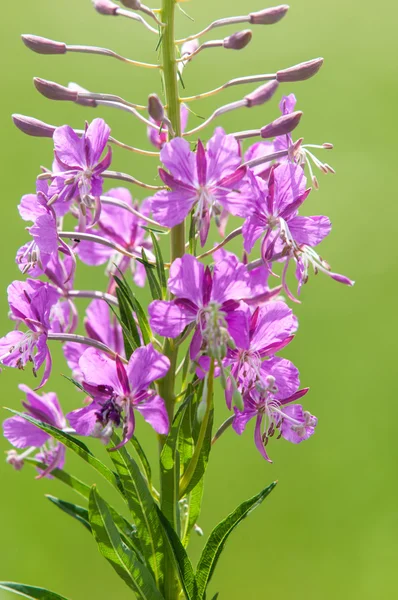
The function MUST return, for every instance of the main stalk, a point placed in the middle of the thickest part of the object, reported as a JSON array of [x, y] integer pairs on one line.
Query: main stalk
[[169, 498]]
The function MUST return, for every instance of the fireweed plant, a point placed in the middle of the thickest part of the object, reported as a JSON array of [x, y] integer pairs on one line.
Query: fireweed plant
[[213, 315]]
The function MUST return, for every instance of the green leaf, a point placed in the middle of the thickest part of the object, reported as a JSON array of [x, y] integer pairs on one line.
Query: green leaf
[[192, 236], [154, 285], [159, 265], [142, 507], [76, 383], [143, 459], [203, 458], [77, 512], [81, 488], [125, 562], [76, 445], [29, 591], [181, 561], [216, 542], [131, 336], [156, 230], [216, 596], [186, 444], [170, 471], [137, 308], [194, 506]]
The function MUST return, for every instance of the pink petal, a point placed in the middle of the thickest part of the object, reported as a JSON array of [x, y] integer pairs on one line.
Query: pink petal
[[169, 319], [145, 366], [154, 412], [310, 230], [186, 279], [22, 434]]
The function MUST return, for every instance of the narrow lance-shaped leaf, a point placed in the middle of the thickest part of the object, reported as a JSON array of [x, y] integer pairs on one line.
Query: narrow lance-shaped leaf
[[186, 443], [159, 264], [216, 542], [76, 445], [180, 558], [170, 470], [201, 452], [154, 285], [143, 509], [77, 512], [131, 337], [29, 591], [137, 308], [143, 458], [194, 499], [125, 562]]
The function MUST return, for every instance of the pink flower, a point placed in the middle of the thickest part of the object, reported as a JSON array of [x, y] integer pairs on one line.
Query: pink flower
[[119, 390], [208, 300], [22, 434], [209, 181]]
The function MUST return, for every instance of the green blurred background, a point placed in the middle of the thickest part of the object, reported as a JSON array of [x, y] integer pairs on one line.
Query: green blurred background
[[330, 529]]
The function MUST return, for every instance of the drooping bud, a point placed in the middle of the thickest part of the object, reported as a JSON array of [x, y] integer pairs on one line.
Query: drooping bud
[[33, 127], [105, 7], [54, 91], [198, 530], [282, 125], [189, 47], [75, 87], [43, 45], [155, 108], [300, 72], [134, 4], [261, 94], [269, 16], [238, 40]]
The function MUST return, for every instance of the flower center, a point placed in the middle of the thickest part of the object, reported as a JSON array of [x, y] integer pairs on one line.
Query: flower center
[[213, 327]]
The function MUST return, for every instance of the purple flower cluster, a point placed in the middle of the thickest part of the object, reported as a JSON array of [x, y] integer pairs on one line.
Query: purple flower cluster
[[234, 320]]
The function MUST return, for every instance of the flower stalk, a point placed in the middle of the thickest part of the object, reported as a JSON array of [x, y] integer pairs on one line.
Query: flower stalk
[[177, 246]]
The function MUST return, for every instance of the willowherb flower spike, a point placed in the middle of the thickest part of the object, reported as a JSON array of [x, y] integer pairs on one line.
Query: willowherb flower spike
[[224, 309]]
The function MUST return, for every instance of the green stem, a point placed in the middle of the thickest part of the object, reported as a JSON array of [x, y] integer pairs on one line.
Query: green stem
[[177, 236], [186, 478], [171, 589]]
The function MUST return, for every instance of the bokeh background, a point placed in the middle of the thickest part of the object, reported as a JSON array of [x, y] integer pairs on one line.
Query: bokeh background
[[330, 529]]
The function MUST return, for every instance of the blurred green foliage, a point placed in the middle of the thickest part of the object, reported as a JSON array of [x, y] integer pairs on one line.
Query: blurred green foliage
[[330, 529]]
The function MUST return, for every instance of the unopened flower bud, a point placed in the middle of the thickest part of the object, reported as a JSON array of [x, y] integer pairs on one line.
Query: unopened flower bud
[[269, 16], [301, 71], [238, 40], [282, 125], [198, 530], [75, 87], [134, 4], [155, 108], [54, 91], [261, 94], [42, 45], [105, 7], [33, 127], [189, 47]]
